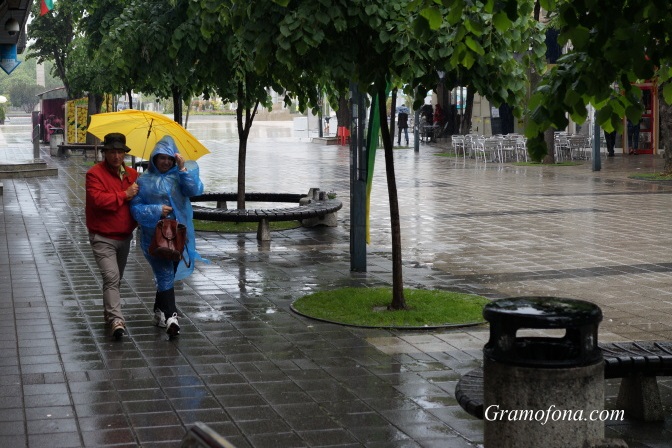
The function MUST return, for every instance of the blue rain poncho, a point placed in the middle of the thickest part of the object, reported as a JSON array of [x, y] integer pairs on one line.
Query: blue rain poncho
[[173, 188]]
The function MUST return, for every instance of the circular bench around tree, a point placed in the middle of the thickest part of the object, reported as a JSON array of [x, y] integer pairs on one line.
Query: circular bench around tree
[[309, 211]]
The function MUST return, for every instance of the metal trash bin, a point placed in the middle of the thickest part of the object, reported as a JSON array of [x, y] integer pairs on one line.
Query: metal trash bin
[[542, 391], [55, 139]]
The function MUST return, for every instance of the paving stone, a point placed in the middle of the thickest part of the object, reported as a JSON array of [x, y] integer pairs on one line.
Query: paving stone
[[261, 375]]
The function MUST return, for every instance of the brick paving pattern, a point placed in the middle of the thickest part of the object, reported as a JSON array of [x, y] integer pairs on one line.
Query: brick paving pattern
[[263, 376]]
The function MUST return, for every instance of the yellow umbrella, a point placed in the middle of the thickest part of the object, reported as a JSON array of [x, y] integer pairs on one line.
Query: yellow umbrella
[[143, 129]]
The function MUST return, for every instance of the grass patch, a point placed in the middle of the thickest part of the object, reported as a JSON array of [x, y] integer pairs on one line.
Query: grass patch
[[446, 154], [368, 307], [241, 227], [547, 164], [651, 176]]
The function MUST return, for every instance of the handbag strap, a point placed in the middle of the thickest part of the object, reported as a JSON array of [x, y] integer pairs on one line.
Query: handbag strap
[[186, 239]]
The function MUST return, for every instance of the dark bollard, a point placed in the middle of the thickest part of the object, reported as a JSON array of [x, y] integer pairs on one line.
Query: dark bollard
[[542, 391]]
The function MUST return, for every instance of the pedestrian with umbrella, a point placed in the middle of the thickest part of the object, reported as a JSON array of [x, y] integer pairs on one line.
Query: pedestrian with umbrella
[[110, 186], [143, 130], [165, 189], [402, 122]]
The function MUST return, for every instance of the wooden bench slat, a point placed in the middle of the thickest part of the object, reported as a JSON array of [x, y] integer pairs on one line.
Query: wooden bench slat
[[621, 360]]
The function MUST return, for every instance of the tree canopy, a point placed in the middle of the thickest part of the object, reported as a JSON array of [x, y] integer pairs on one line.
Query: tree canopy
[[613, 45], [52, 38], [376, 44]]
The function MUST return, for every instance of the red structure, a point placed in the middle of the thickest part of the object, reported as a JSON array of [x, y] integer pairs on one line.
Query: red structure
[[648, 127], [52, 103]]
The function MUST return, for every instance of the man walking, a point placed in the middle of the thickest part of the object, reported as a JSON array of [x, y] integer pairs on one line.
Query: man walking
[[110, 185], [403, 122]]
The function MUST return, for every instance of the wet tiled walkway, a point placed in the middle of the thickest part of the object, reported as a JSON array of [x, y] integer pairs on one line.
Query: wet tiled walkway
[[264, 377]]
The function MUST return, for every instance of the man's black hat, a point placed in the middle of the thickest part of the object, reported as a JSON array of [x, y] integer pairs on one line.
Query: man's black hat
[[115, 140]]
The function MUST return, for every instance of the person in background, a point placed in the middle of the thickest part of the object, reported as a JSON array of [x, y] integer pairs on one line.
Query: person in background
[[610, 140], [438, 115], [165, 189], [402, 122], [110, 186], [633, 136], [48, 128], [57, 123]]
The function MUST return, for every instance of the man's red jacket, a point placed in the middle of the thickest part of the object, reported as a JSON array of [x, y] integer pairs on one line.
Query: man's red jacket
[[107, 209]]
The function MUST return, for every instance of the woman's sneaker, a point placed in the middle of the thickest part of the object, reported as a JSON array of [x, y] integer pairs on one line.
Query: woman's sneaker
[[172, 327], [159, 319]]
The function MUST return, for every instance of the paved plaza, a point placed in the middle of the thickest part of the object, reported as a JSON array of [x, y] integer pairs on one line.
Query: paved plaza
[[263, 376]]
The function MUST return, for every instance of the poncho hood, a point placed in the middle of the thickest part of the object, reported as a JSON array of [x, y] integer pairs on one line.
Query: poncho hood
[[165, 146]]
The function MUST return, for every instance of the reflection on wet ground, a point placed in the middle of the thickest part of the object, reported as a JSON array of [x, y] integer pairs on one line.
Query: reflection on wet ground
[[263, 376]]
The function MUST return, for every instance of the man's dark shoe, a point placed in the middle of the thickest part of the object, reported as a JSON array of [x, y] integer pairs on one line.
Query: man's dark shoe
[[611, 154], [118, 329]]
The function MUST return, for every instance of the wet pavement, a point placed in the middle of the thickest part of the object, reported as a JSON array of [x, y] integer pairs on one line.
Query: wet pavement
[[262, 376]]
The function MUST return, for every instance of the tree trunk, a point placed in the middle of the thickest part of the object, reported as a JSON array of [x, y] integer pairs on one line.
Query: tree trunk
[[393, 114], [465, 126], [95, 102], [186, 119], [665, 120], [130, 98], [244, 124], [177, 104], [343, 114], [549, 139], [398, 300], [549, 134]]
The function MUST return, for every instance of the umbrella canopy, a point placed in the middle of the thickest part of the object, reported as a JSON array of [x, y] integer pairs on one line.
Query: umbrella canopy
[[403, 109], [143, 129]]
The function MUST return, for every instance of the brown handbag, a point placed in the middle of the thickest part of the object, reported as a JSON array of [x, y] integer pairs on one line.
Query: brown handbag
[[169, 240]]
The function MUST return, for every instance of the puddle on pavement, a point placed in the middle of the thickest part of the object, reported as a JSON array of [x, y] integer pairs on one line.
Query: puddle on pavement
[[211, 316]]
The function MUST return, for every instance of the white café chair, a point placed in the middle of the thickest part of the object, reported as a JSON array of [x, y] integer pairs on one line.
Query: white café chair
[[580, 146], [495, 146], [459, 144], [562, 149]]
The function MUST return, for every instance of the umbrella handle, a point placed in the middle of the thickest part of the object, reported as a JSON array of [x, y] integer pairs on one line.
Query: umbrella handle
[[149, 131]]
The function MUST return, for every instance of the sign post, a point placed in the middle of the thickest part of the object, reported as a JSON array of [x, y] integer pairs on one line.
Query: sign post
[[8, 60]]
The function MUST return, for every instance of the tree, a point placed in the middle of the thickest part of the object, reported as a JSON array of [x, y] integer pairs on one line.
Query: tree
[[158, 48], [27, 71], [24, 94], [51, 38], [613, 43], [377, 44], [240, 65]]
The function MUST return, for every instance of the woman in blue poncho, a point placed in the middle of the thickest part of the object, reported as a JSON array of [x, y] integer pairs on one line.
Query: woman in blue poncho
[[164, 192]]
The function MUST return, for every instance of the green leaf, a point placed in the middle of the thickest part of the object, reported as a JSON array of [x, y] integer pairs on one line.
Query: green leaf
[[384, 36], [323, 18], [371, 9], [455, 14], [667, 93], [468, 59], [433, 16], [603, 117], [501, 22], [579, 36], [572, 97], [474, 45]]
